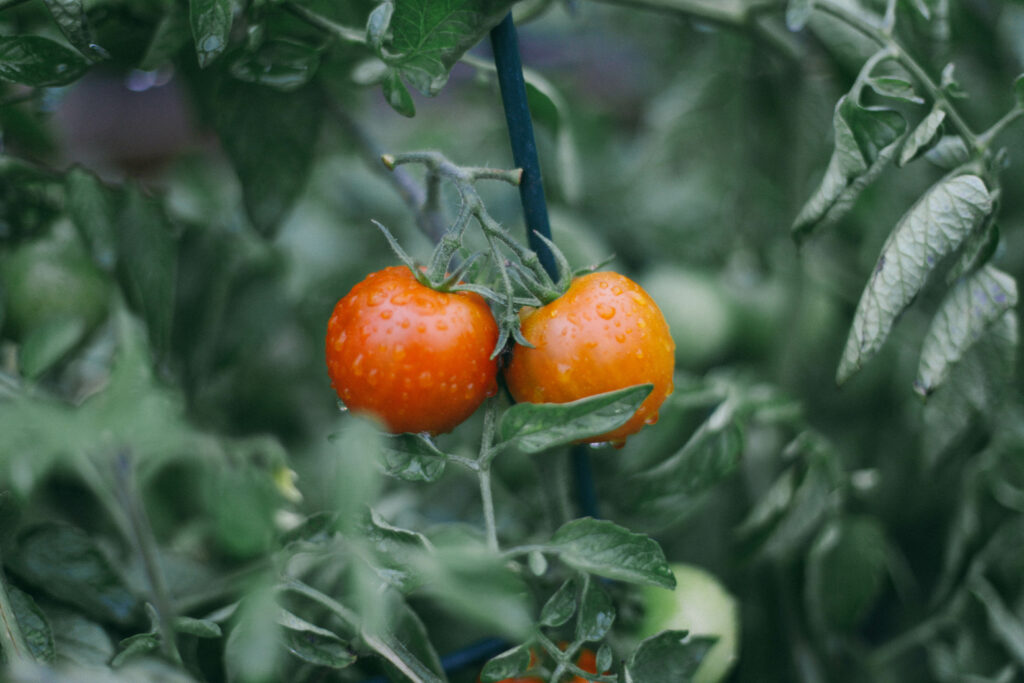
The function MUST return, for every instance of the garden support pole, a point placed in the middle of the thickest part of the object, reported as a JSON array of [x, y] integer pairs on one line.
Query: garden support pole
[[505, 45]]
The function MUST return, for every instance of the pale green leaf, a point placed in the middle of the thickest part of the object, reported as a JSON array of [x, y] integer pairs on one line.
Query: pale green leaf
[[606, 549], [933, 228], [922, 136], [211, 27], [966, 314]]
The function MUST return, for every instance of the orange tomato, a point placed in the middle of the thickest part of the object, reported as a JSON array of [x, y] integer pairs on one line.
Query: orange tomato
[[417, 359], [604, 333]]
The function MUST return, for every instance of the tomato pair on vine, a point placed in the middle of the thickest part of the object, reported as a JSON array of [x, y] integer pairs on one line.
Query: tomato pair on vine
[[421, 360]]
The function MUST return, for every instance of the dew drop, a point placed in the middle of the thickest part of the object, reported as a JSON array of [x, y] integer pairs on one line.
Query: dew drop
[[425, 379], [400, 299], [342, 407], [441, 325], [405, 324], [641, 324], [604, 285], [376, 298], [357, 366], [653, 419], [605, 311], [386, 314], [639, 354], [399, 353], [371, 377], [621, 338], [421, 328], [616, 290]]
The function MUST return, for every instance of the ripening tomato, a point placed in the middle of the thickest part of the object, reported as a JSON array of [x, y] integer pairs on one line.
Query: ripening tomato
[[417, 359], [605, 333], [586, 661]]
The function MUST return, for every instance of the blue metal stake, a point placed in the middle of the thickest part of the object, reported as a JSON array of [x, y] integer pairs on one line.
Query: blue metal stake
[[531, 193]]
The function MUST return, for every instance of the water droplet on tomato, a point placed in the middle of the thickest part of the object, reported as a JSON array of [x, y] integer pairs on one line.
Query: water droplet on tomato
[[399, 353], [621, 338], [405, 324], [639, 353], [426, 379], [604, 285], [653, 419], [342, 407], [371, 377], [376, 298], [605, 311], [400, 299], [357, 366], [616, 290], [641, 324], [421, 328], [441, 325], [386, 314]]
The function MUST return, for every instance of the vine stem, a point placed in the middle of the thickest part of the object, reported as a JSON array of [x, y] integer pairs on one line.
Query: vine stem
[[879, 36], [145, 544]]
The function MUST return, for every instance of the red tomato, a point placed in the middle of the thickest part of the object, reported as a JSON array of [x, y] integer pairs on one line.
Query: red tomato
[[604, 333], [417, 359]]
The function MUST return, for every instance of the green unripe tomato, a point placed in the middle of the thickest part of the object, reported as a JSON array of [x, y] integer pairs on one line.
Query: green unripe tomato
[[51, 279], [698, 310], [700, 605]]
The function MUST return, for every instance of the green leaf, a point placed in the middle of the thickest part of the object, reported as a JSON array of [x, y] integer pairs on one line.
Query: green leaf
[[412, 457], [922, 136], [79, 640], [147, 264], [551, 109], [676, 486], [281, 64], [396, 94], [978, 249], [845, 569], [71, 19], [313, 644], [93, 208], [33, 624], [49, 343], [865, 140], [509, 664], [934, 227], [606, 549], [377, 25], [950, 85], [211, 28], [949, 152], [560, 606], [535, 427], [393, 549], [429, 36], [798, 13], [668, 657], [463, 576], [596, 613], [38, 62], [136, 646], [252, 651], [603, 661], [1018, 90], [897, 88], [63, 561], [171, 34], [200, 628], [270, 138], [967, 313]]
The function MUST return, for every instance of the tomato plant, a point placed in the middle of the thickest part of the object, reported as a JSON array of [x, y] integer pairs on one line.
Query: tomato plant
[[605, 333], [418, 359], [817, 198]]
